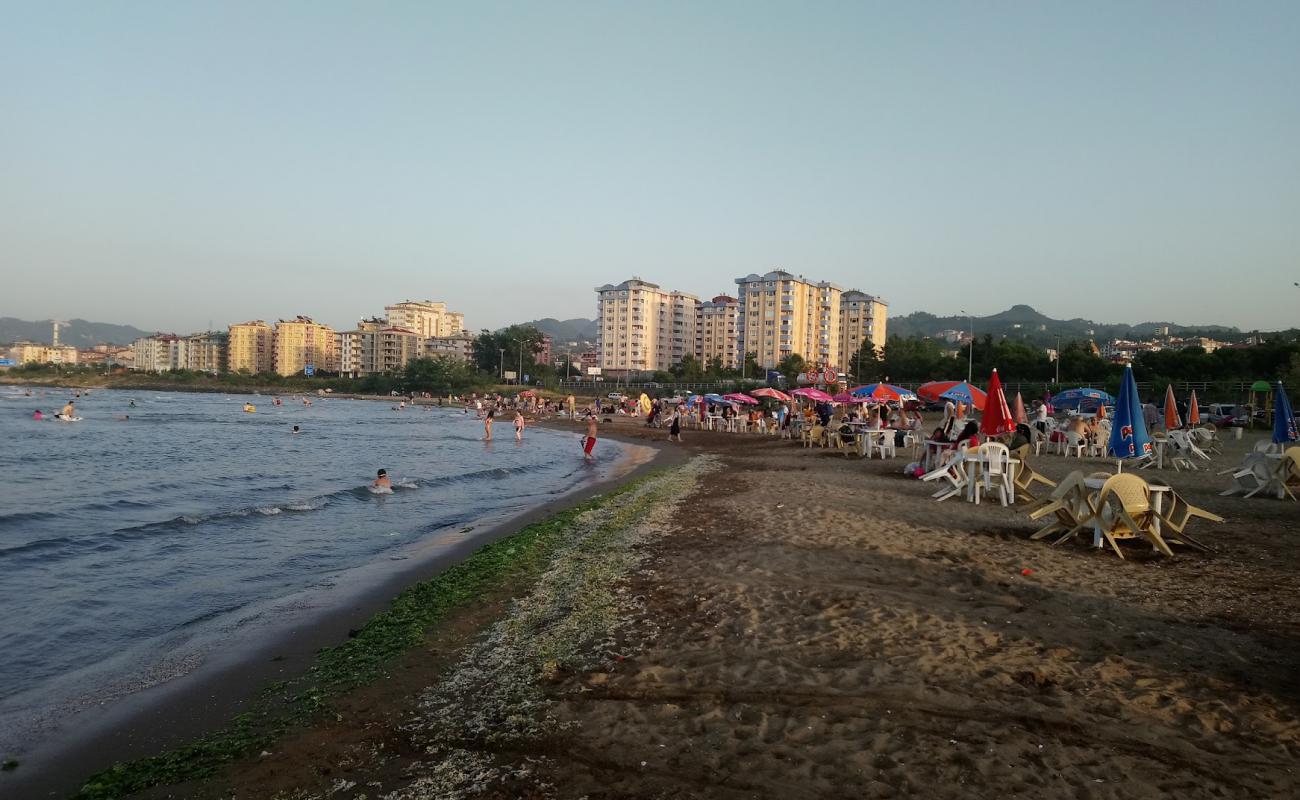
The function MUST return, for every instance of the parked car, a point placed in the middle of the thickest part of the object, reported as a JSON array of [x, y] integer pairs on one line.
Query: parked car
[[617, 397]]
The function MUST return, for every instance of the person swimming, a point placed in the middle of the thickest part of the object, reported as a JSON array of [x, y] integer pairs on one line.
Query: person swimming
[[381, 480], [38, 416], [295, 429], [131, 404], [249, 408]]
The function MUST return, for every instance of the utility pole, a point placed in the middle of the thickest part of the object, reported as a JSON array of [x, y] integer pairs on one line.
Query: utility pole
[[501, 361], [970, 352], [519, 376], [1058, 359]]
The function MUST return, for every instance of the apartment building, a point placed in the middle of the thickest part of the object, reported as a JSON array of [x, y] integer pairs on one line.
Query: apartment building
[[376, 347], [162, 352], [426, 318], [781, 314], [643, 328], [36, 353], [459, 346], [862, 319], [300, 343], [715, 331], [204, 352], [251, 348]]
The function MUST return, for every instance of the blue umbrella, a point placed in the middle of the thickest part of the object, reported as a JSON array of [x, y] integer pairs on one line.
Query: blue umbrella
[[1128, 430], [1076, 398], [1283, 420], [963, 392]]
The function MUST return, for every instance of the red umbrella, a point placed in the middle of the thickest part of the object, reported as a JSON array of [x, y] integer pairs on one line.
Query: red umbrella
[[1172, 422], [775, 394], [931, 391], [737, 397], [816, 395], [997, 418], [1018, 410]]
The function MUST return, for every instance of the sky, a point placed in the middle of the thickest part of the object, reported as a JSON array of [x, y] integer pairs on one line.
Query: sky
[[169, 164]]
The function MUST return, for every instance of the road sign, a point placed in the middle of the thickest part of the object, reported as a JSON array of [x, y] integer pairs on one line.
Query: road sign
[[309, 370], [6, 362]]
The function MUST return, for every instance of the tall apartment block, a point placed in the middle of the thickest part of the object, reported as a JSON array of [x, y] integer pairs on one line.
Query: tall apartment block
[[715, 331], [643, 328], [302, 342], [862, 318], [250, 348], [781, 314], [426, 318]]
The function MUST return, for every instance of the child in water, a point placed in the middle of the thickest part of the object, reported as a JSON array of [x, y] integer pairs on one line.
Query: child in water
[[295, 430], [382, 482]]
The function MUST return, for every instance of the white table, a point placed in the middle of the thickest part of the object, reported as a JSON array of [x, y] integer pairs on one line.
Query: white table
[[973, 462]]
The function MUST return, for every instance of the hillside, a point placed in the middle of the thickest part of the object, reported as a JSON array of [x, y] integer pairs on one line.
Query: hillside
[[78, 332], [568, 330], [1024, 322]]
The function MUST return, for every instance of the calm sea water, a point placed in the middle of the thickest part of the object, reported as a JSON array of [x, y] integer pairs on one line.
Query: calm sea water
[[130, 550]]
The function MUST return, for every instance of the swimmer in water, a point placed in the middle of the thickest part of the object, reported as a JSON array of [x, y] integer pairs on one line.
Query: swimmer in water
[[124, 418], [38, 416], [519, 426], [248, 407], [68, 411], [295, 429], [487, 426], [382, 482], [131, 404]]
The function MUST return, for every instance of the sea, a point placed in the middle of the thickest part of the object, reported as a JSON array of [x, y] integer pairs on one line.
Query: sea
[[165, 528]]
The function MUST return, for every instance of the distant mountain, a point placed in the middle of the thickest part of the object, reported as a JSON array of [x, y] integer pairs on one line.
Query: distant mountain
[[568, 330], [78, 332], [1024, 322]]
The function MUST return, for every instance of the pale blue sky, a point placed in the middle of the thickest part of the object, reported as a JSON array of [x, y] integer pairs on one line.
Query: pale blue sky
[[166, 164]]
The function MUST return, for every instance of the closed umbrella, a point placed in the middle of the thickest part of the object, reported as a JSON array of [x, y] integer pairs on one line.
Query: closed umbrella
[[1128, 431], [1284, 428], [1193, 411], [1172, 422], [1018, 410], [997, 418]]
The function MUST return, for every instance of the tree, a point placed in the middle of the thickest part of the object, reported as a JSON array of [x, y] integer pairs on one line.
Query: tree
[[866, 364], [688, 369], [751, 368], [494, 352], [440, 375], [791, 366]]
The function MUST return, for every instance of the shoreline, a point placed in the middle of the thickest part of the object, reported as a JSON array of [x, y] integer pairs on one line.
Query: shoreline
[[178, 711]]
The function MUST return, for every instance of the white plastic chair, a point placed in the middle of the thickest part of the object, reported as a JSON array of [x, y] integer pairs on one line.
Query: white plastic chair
[[952, 473], [995, 463], [1073, 444]]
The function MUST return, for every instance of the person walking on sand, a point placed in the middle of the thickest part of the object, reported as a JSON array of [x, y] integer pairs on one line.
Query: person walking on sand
[[519, 425], [675, 426], [487, 425], [589, 443]]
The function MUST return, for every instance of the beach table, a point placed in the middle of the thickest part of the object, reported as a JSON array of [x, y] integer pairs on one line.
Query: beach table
[[1158, 493], [973, 465]]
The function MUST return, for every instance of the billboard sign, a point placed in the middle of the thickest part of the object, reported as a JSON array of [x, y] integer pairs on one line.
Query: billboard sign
[[593, 370]]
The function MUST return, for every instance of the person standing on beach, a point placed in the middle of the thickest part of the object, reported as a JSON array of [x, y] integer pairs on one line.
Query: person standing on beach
[[519, 425], [675, 428], [589, 443], [487, 426], [573, 406]]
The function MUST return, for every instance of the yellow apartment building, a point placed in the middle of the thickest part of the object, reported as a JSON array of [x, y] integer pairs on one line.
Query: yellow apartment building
[[862, 318], [425, 318], [715, 331], [302, 342], [643, 328], [782, 314], [251, 348]]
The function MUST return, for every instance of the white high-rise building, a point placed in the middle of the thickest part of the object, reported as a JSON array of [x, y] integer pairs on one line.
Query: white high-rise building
[[643, 328]]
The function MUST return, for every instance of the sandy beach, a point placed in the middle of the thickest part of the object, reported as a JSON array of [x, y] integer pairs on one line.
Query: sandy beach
[[771, 621]]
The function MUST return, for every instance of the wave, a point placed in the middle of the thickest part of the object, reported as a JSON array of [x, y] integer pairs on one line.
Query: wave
[[25, 516]]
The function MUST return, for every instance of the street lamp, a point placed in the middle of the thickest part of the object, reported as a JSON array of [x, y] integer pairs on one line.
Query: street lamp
[[519, 376], [970, 351], [1058, 359]]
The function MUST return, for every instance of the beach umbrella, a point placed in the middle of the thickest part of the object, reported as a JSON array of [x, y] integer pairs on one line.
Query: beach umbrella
[[846, 397], [965, 393], [931, 390], [775, 394], [1284, 428], [816, 395], [1193, 411], [882, 392], [997, 418], [1172, 422], [1078, 398], [1128, 433], [738, 397], [1018, 410]]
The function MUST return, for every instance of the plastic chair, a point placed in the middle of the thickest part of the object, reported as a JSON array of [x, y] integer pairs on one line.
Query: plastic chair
[[1134, 515], [1026, 476], [995, 464], [1177, 513], [951, 472]]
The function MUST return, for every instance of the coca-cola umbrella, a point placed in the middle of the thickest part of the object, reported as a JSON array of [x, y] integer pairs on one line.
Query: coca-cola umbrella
[[997, 418]]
